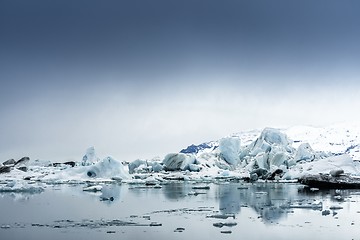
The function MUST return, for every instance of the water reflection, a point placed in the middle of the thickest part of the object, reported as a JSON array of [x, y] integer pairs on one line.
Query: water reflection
[[110, 193], [230, 199], [266, 199], [19, 196], [175, 191]]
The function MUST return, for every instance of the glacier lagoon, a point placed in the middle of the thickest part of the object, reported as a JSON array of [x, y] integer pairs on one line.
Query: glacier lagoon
[[181, 210]]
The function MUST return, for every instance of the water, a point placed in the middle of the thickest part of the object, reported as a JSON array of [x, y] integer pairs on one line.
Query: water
[[238, 211]]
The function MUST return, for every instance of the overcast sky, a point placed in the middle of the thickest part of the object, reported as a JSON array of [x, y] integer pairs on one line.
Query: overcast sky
[[140, 78]]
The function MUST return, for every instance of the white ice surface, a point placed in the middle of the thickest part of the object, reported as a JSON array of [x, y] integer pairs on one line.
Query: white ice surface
[[297, 151]]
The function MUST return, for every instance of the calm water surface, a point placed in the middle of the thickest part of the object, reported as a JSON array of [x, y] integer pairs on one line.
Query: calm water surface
[[238, 211]]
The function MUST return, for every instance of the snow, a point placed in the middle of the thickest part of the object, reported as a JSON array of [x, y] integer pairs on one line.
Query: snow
[[338, 138], [282, 154]]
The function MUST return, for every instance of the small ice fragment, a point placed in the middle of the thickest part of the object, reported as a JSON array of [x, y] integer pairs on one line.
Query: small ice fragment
[[179, 229], [334, 207], [95, 188], [222, 216], [325, 212], [201, 187], [155, 224]]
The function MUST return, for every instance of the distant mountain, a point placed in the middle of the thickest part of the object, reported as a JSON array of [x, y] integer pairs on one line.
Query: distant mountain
[[337, 139], [197, 148]]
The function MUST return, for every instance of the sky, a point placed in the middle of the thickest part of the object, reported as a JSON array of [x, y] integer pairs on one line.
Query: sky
[[139, 79]]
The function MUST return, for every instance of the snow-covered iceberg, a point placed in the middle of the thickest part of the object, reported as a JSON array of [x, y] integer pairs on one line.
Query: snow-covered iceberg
[[270, 154], [108, 167]]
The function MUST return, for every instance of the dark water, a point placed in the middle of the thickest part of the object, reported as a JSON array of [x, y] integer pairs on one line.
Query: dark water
[[238, 211]]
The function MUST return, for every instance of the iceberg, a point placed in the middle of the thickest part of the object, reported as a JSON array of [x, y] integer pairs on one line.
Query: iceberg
[[90, 157], [266, 155], [178, 161], [107, 168], [143, 166], [230, 150]]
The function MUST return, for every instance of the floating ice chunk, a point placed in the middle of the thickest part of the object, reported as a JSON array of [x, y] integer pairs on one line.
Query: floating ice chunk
[[178, 161], [90, 157], [230, 150], [304, 152], [136, 164], [315, 206], [20, 187], [325, 212], [336, 207], [96, 188], [107, 168]]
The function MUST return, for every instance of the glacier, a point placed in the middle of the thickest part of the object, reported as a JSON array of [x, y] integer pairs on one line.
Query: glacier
[[270, 154]]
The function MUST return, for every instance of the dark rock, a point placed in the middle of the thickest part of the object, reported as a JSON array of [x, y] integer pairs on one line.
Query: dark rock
[[23, 168], [277, 172], [196, 148], [70, 163], [253, 177], [5, 169], [10, 162], [260, 172]]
